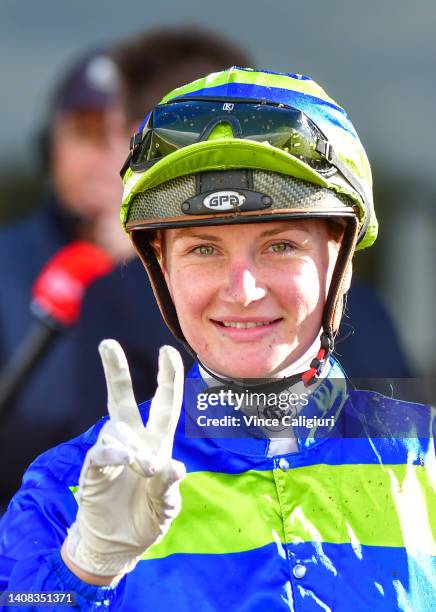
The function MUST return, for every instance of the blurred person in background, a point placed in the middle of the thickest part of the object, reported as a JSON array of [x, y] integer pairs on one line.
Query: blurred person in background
[[94, 110], [85, 130]]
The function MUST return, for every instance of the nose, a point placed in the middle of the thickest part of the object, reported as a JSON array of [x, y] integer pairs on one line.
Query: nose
[[242, 287]]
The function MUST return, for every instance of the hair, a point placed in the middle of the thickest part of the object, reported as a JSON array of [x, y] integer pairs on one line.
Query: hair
[[154, 62], [335, 228]]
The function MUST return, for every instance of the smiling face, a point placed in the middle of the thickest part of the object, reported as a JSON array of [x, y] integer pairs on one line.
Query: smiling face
[[250, 298]]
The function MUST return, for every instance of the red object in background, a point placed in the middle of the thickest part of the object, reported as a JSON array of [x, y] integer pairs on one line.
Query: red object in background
[[57, 298], [59, 288]]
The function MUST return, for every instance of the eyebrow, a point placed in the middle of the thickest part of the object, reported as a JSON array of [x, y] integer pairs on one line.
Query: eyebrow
[[301, 226], [181, 235], [272, 232]]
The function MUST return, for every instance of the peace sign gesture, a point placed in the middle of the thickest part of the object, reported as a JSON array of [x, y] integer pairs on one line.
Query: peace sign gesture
[[129, 485], [165, 407]]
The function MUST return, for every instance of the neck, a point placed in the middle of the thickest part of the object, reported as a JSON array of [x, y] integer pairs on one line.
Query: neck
[[302, 363]]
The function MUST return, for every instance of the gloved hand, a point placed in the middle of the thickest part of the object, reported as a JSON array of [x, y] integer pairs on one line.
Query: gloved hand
[[129, 486]]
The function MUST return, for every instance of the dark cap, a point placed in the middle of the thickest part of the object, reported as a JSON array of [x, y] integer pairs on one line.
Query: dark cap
[[91, 83]]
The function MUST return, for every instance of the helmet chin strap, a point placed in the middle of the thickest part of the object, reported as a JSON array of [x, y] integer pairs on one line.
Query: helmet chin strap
[[283, 379], [317, 364], [265, 385], [343, 261]]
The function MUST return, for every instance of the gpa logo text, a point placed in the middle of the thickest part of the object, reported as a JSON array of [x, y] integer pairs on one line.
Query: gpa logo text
[[224, 200]]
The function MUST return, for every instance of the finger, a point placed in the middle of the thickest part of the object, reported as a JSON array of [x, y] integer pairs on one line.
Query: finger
[[121, 400], [118, 444], [162, 486], [166, 404]]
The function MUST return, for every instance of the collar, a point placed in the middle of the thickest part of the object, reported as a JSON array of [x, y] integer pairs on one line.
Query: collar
[[316, 415]]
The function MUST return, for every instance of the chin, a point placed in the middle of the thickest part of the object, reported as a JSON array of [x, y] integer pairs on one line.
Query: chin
[[259, 362], [245, 370]]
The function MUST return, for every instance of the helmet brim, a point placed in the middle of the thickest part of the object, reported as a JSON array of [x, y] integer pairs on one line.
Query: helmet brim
[[217, 154]]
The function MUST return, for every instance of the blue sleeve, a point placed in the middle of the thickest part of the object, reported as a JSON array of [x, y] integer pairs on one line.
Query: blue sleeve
[[35, 525]]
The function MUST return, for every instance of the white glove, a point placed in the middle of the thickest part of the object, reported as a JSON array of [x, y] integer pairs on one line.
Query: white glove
[[129, 486]]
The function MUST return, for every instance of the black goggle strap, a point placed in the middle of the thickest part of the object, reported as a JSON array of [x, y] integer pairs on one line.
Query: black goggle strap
[[135, 143]]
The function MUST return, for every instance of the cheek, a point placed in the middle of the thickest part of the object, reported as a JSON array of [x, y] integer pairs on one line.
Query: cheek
[[317, 276], [69, 168], [59, 163], [65, 151], [303, 291], [191, 294]]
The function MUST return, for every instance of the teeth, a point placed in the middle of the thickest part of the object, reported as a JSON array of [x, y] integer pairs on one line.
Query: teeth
[[246, 325]]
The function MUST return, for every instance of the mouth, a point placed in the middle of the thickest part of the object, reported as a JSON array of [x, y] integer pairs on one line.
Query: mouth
[[245, 324], [246, 327]]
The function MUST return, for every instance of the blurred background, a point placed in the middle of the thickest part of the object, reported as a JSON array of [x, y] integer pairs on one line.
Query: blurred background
[[376, 58]]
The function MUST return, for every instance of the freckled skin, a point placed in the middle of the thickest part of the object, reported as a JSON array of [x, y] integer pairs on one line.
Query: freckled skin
[[271, 272]]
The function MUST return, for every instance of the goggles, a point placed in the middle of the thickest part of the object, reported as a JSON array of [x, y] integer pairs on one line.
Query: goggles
[[178, 124], [183, 122]]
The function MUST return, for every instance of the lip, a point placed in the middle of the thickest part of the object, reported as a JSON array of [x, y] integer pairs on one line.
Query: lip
[[236, 319], [250, 333]]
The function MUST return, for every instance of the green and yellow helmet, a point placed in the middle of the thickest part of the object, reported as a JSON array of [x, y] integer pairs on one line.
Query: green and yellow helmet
[[243, 146]]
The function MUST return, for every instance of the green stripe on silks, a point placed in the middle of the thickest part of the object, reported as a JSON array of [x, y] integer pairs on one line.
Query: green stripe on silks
[[223, 513], [390, 505], [248, 77], [371, 505]]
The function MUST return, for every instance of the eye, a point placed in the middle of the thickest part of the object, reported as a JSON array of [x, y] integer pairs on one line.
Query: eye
[[204, 249], [282, 247]]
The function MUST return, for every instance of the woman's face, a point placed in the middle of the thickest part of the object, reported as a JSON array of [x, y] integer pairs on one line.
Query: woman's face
[[249, 298]]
